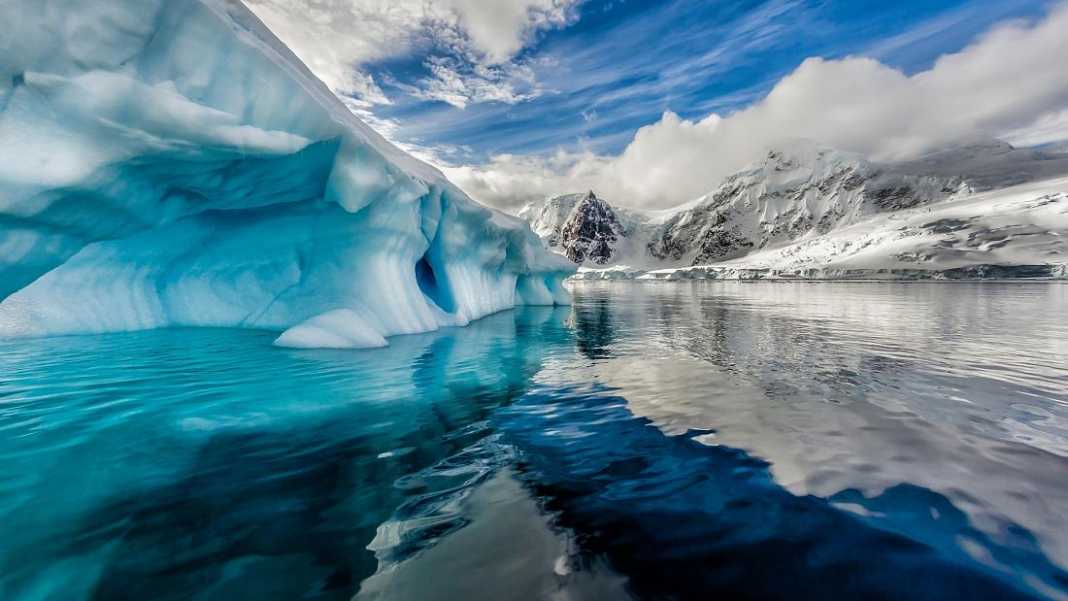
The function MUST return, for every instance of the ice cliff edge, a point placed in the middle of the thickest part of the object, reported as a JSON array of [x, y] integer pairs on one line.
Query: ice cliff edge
[[171, 163]]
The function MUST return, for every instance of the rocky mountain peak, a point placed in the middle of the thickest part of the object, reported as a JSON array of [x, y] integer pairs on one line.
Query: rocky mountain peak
[[590, 205], [591, 231]]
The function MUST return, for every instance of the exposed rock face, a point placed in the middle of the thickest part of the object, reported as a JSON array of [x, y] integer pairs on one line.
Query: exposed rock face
[[583, 227], [591, 231]]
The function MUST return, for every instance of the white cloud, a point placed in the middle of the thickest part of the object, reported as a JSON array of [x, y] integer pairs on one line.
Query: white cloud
[[1049, 128], [460, 83], [508, 181], [1012, 81], [335, 37], [499, 28]]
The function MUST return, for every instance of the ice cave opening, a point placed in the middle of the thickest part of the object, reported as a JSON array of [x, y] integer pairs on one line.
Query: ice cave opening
[[436, 291]]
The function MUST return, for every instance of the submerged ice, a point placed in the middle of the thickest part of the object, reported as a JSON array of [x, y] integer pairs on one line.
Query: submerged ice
[[171, 163]]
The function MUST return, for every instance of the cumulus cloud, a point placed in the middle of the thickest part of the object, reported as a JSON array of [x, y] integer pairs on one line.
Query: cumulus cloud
[[499, 28], [1011, 82], [1047, 129], [481, 38]]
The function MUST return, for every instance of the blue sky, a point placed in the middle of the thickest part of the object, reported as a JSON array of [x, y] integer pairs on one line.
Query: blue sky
[[620, 64], [655, 102]]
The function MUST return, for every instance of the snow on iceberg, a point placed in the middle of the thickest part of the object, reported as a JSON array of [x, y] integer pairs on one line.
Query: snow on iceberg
[[171, 163]]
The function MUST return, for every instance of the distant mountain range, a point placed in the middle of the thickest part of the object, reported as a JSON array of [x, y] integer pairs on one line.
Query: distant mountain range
[[810, 211]]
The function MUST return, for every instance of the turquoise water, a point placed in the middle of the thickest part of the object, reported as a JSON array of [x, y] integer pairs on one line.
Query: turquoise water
[[794, 440]]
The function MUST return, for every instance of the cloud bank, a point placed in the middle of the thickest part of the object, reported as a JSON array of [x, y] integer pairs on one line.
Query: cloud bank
[[1010, 82]]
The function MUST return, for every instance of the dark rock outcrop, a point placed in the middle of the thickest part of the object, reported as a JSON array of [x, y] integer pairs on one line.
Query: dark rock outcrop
[[591, 231]]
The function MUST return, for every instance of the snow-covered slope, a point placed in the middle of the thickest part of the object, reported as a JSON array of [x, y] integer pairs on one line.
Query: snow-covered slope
[[797, 191], [990, 164], [1015, 232], [170, 162], [801, 193], [547, 218]]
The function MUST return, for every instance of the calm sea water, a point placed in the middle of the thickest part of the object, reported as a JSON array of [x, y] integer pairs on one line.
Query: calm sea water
[[655, 441]]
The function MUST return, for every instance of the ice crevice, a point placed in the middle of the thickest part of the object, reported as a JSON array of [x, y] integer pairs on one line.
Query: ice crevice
[[171, 163]]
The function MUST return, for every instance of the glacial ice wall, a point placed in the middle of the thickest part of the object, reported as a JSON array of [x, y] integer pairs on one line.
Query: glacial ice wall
[[171, 163]]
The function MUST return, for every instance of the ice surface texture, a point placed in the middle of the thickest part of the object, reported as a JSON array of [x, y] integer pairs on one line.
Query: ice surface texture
[[171, 163]]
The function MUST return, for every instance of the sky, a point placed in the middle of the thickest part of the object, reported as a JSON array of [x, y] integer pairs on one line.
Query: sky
[[651, 104]]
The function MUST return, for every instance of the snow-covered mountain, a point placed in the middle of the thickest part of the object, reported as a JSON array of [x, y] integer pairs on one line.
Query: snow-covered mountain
[[581, 226], [172, 163], [800, 192], [794, 192], [1015, 232]]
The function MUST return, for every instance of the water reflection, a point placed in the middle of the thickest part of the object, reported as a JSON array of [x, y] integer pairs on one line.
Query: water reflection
[[662, 441], [685, 520], [958, 389], [793, 454], [209, 464]]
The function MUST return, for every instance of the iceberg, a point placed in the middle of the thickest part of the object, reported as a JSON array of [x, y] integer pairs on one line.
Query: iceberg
[[171, 163]]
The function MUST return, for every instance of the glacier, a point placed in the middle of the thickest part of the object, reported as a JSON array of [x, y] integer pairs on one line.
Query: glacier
[[171, 163]]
